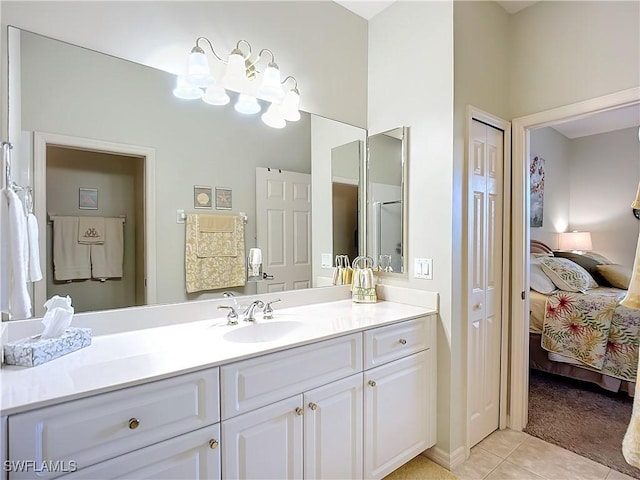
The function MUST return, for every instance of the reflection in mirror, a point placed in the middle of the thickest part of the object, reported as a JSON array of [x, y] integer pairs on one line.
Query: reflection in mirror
[[386, 199], [64, 96]]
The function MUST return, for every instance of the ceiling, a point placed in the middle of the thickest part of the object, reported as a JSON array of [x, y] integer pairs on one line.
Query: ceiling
[[602, 122]]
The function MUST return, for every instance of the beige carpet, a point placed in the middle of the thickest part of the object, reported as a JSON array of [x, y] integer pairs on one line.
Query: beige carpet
[[421, 468]]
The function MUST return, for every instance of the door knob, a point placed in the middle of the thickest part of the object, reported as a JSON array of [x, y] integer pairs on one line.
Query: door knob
[[265, 276], [372, 383], [313, 406], [299, 411]]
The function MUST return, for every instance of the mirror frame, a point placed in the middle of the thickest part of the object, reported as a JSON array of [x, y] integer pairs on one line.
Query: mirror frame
[[402, 133]]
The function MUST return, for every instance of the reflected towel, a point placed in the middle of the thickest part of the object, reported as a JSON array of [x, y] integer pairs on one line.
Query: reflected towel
[[215, 271], [71, 260], [14, 295], [91, 230], [34, 272], [215, 236], [107, 258]]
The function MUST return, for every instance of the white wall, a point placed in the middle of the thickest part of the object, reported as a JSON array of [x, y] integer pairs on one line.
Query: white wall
[[411, 84], [555, 149], [605, 171], [565, 52]]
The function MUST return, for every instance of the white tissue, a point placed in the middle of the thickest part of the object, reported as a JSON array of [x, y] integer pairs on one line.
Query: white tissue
[[255, 261], [58, 317]]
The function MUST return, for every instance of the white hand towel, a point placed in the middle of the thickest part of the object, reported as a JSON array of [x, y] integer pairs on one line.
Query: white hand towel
[[14, 257], [107, 259], [34, 273], [71, 260]]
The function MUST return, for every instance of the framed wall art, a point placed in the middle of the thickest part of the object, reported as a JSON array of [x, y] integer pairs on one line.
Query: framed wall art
[[88, 198], [202, 196], [223, 198]]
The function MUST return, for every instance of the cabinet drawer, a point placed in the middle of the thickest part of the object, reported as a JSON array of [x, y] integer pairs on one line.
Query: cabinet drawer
[[192, 455], [256, 382], [93, 429], [384, 344]]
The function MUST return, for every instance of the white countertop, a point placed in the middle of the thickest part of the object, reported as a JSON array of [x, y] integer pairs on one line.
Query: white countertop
[[130, 358]]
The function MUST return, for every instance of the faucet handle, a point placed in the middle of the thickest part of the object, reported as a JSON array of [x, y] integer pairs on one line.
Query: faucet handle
[[268, 311], [232, 315]]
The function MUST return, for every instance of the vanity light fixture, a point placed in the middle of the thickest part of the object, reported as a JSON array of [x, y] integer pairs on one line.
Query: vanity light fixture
[[242, 76]]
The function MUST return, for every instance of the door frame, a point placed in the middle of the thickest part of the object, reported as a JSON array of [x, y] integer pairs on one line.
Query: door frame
[[519, 385], [40, 142], [474, 113]]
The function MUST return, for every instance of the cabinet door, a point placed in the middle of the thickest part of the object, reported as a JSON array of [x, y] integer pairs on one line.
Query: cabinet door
[[396, 411], [265, 443], [333, 430], [193, 455]]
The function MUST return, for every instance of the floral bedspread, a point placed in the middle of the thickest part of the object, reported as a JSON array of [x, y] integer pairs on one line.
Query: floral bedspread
[[595, 330]]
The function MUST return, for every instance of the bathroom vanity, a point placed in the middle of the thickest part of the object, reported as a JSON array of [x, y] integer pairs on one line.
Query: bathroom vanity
[[330, 390]]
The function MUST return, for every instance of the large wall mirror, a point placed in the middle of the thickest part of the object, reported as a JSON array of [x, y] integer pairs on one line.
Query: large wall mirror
[[386, 210], [61, 93]]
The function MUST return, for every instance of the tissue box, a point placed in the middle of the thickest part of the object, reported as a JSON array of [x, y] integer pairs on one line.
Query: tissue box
[[30, 352]]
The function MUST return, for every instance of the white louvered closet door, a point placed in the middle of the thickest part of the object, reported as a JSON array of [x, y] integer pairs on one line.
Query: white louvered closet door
[[484, 307]]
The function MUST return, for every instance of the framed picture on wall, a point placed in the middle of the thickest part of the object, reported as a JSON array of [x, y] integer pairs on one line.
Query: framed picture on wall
[[201, 196], [536, 178], [88, 198], [223, 198]]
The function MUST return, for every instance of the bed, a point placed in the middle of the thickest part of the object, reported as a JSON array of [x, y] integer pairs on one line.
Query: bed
[[577, 327]]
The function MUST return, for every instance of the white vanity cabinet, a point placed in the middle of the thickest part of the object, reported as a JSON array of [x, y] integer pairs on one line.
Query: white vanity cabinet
[[399, 396], [85, 432]]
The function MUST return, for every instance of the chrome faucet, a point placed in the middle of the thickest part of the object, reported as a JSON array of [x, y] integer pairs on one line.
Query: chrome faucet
[[268, 311], [232, 315], [232, 296], [248, 314]]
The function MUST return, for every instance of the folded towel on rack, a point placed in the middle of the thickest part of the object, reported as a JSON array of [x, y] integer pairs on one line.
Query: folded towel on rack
[[215, 236], [14, 295], [71, 260], [91, 230], [34, 271], [107, 258], [214, 271]]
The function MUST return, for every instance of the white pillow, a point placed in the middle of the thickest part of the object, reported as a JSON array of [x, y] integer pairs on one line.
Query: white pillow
[[538, 280], [567, 275]]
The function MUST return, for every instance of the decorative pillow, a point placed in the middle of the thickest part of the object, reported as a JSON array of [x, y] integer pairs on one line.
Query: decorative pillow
[[567, 275], [618, 276], [589, 261], [538, 280]]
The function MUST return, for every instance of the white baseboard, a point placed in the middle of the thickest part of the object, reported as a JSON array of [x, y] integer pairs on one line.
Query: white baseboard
[[444, 459]]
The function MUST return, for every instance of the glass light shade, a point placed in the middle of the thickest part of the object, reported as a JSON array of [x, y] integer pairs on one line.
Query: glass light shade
[[198, 72], [216, 95], [575, 241], [270, 88], [235, 78], [247, 104], [290, 106], [185, 90], [273, 117]]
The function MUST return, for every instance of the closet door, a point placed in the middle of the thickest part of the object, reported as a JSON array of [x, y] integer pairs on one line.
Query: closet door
[[484, 306]]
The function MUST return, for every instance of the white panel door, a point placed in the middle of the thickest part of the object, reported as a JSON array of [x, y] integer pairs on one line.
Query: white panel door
[[265, 443], [283, 228], [485, 279], [333, 430]]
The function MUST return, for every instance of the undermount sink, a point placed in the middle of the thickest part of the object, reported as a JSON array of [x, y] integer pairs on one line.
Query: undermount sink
[[266, 331]]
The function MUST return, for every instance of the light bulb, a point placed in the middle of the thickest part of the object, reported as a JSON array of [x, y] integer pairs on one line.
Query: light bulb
[[247, 104], [185, 90]]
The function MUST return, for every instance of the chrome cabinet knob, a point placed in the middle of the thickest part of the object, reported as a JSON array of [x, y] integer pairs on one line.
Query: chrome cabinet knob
[[134, 423], [403, 341], [313, 406], [372, 383], [299, 411], [213, 444]]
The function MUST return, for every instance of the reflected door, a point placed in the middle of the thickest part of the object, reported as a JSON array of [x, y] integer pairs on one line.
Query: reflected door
[[283, 228]]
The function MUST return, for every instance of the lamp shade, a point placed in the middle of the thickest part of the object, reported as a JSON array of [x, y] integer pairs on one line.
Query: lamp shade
[[185, 90], [273, 117], [235, 78], [216, 95], [270, 88], [198, 73], [575, 241], [290, 106], [247, 104]]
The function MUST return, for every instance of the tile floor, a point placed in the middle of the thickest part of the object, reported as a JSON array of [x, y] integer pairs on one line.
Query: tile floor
[[509, 455]]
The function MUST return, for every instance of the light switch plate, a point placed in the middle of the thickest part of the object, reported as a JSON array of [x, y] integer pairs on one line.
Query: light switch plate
[[326, 260], [180, 216], [423, 268]]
